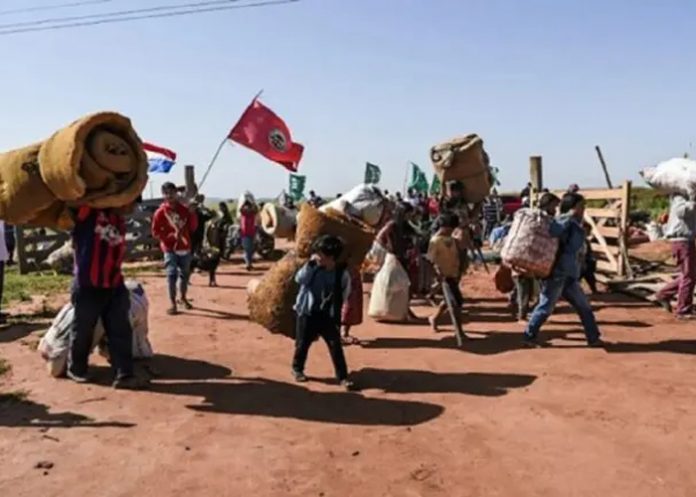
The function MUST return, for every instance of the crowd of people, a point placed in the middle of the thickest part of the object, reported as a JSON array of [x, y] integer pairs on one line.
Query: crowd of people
[[434, 239]]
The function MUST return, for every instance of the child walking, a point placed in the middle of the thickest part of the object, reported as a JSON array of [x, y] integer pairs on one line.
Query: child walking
[[172, 225], [324, 288], [444, 254], [565, 277]]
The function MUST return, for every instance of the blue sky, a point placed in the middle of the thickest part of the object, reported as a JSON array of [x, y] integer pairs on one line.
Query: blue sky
[[374, 80]]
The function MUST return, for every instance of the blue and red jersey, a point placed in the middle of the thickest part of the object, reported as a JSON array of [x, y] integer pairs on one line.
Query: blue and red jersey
[[99, 240]]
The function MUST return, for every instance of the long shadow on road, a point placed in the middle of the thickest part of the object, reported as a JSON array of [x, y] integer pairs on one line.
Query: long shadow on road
[[261, 397], [408, 381], [26, 413]]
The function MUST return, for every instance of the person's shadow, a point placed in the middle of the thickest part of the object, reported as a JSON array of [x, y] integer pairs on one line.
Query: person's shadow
[[262, 397], [26, 413], [411, 381]]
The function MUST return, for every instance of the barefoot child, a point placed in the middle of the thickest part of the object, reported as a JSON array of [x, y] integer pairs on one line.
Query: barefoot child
[[172, 225], [324, 287], [443, 252]]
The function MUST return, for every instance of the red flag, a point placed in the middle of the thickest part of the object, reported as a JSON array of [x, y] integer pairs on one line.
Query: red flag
[[261, 130]]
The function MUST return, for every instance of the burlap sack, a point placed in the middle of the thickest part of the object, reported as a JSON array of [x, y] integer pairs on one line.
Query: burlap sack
[[272, 300], [529, 247], [311, 223], [97, 160], [464, 159]]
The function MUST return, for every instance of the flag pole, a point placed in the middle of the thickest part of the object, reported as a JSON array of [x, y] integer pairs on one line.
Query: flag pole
[[219, 149], [408, 164]]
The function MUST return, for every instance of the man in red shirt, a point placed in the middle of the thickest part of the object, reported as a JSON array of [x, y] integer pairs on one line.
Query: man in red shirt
[[172, 225], [247, 231]]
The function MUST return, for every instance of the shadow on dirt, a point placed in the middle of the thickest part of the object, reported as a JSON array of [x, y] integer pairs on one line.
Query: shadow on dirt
[[408, 381], [25, 413], [261, 397], [19, 330]]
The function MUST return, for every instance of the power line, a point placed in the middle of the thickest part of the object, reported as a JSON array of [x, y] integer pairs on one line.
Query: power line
[[117, 13], [10, 30], [54, 6]]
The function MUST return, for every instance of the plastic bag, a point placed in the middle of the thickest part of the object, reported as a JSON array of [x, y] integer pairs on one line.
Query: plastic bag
[[673, 176], [390, 292]]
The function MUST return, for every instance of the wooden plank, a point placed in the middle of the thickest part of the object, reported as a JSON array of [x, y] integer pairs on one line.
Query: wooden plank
[[605, 249], [606, 212], [606, 266], [21, 250], [603, 245], [609, 231]]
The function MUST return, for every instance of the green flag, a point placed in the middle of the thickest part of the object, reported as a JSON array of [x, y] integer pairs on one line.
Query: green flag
[[418, 180], [435, 186], [297, 186], [372, 173], [494, 175]]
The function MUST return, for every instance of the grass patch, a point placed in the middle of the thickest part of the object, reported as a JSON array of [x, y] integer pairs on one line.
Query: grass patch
[[4, 367], [21, 287]]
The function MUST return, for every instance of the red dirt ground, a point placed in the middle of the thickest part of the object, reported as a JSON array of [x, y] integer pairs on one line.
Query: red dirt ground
[[225, 419]]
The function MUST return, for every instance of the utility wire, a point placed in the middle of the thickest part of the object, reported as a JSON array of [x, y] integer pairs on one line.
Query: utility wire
[[117, 13], [10, 29], [55, 6]]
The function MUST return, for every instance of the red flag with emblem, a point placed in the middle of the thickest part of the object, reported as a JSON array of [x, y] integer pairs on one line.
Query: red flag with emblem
[[261, 130]]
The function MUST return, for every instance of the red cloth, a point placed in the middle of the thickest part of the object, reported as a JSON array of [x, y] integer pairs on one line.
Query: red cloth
[[352, 312], [433, 207], [247, 225], [172, 225], [261, 130]]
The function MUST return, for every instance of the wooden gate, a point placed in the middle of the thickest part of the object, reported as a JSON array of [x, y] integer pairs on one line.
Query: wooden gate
[[34, 245], [607, 214]]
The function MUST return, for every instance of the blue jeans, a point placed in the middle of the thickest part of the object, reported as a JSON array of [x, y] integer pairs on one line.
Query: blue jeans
[[551, 292], [248, 246], [177, 266]]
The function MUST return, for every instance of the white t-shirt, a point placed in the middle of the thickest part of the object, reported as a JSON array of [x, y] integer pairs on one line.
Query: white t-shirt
[[4, 254]]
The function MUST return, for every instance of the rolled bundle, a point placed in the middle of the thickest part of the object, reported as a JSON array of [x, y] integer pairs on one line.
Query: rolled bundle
[[464, 159], [272, 299], [278, 221], [97, 160], [312, 223]]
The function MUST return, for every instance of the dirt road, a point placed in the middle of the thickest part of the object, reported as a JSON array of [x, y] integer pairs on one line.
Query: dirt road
[[225, 419]]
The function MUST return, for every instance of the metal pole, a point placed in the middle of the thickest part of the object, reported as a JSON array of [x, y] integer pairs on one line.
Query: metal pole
[[408, 166]]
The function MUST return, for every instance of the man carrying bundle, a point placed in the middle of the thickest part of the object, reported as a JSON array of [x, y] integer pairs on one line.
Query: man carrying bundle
[[565, 276], [681, 231], [99, 239]]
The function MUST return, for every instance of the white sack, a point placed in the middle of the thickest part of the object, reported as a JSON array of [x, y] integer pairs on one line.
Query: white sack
[[364, 202], [390, 292], [673, 176]]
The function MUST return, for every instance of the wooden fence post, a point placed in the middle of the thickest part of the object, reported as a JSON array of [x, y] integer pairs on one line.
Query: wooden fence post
[[190, 178], [624, 268], [536, 177], [21, 250]]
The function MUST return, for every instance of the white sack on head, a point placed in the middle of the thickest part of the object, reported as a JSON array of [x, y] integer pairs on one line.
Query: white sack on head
[[247, 196], [672, 176], [364, 202]]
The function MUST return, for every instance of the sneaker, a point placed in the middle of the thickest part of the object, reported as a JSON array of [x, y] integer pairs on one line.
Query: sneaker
[[299, 377], [129, 383], [530, 342], [347, 385], [665, 304], [77, 378], [597, 344]]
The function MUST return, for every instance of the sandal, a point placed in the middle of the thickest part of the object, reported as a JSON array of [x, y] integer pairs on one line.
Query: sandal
[[350, 340]]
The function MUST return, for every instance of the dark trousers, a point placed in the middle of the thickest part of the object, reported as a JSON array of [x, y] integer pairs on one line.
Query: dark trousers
[[308, 329], [2, 280], [112, 305], [524, 288], [683, 287]]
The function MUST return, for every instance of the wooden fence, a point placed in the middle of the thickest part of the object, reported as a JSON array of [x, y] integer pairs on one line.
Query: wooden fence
[[607, 214], [34, 245]]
